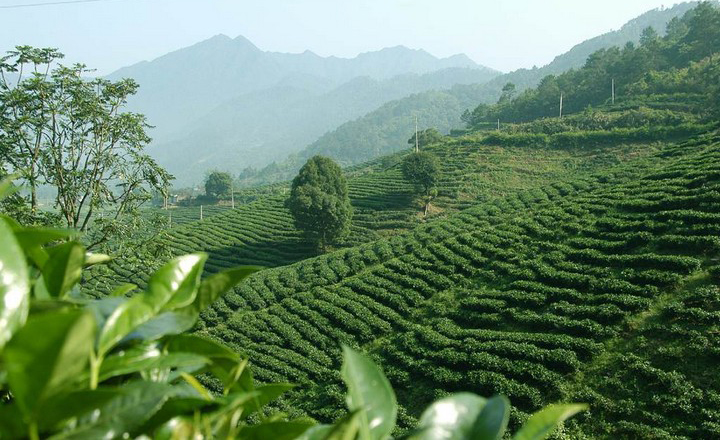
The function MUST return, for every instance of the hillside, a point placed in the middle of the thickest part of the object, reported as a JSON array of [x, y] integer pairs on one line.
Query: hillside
[[224, 103], [386, 129], [524, 294], [256, 128], [572, 258]]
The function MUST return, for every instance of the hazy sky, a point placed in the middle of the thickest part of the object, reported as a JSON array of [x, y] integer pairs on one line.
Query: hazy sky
[[504, 34]]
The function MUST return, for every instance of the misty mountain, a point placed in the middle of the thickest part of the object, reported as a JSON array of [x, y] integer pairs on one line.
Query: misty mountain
[[177, 88], [386, 129], [257, 128]]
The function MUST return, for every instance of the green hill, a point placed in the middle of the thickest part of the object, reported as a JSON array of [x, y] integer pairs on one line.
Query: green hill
[[565, 259], [386, 129]]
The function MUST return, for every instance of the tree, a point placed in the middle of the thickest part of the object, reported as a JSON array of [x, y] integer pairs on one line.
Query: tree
[[426, 137], [319, 201], [60, 129], [218, 185], [422, 169], [508, 92]]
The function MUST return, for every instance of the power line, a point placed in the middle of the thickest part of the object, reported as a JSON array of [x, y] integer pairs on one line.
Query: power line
[[31, 5]]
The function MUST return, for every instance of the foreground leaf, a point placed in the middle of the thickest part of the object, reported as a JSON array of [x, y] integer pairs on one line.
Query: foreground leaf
[[64, 268], [130, 409], [453, 417], [47, 355], [174, 284], [543, 422], [216, 285], [14, 285], [370, 393], [276, 430], [493, 419]]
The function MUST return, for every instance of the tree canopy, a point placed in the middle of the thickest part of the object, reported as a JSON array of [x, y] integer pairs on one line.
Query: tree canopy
[[694, 38], [421, 169], [426, 137], [60, 129], [319, 201], [218, 185]]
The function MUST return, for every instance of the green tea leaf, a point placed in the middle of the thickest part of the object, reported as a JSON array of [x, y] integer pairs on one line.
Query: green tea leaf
[[179, 278], [144, 358], [64, 406], [369, 392], [543, 422], [131, 408], [276, 430], [64, 268], [14, 285], [93, 259], [175, 285], [48, 355], [452, 417], [216, 285], [167, 323], [493, 419]]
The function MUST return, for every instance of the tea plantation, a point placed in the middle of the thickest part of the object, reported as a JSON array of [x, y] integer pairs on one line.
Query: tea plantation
[[593, 289]]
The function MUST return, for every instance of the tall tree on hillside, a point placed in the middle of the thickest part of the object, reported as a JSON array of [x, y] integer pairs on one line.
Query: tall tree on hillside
[[423, 170], [319, 201], [218, 185], [60, 129], [426, 137]]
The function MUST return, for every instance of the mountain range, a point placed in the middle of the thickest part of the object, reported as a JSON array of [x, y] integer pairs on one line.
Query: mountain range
[[225, 104]]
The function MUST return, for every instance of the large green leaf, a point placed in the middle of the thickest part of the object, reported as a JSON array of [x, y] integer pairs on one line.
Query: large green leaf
[[48, 355], [543, 422], [130, 409], [14, 285], [166, 323], [452, 417], [180, 278], [143, 358], [276, 430], [493, 419], [64, 406], [218, 284], [33, 239], [176, 284], [64, 268], [370, 393], [224, 360]]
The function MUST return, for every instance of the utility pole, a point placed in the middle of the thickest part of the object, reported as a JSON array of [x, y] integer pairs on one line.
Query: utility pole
[[417, 141], [561, 104], [613, 91], [498, 124], [201, 216], [232, 194], [170, 221]]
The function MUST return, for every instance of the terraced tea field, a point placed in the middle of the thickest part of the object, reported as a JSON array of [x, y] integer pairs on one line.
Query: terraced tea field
[[576, 290], [261, 232]]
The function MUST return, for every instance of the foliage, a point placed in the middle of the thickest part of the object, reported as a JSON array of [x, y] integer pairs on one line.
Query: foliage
[[218, 185], [425, 137], [59, 129], [319, 201], [693, 38], [421, 169], [124, 367]]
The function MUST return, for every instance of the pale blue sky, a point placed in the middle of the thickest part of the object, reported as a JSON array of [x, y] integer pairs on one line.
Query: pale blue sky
[[504, 34]]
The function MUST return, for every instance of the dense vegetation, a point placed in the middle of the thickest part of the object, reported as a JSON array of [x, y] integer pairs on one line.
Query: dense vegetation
[[570, 258], [682, 62], [75, 368]]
